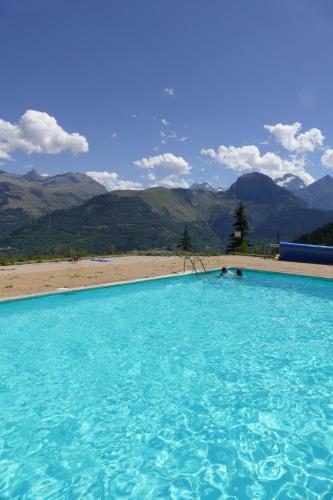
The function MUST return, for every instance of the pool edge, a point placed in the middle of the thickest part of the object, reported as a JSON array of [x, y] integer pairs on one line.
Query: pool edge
[[60, 291], [153, 278]]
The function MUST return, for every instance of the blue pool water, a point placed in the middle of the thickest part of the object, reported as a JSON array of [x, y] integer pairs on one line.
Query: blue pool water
[[190, 387]]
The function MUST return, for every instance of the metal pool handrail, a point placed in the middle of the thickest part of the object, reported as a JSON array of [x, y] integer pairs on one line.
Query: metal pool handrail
[[193, 261]]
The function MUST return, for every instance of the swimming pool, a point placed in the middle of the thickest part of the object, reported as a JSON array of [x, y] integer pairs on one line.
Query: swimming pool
[[188, 387]]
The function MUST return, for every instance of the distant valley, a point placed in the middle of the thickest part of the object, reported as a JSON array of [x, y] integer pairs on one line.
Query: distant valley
[[71, 212]]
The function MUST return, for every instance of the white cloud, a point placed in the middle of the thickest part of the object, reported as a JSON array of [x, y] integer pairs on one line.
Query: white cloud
[[327, 158], [247, 158], [173, 181], [112, 181], [175, 167], [169, 91], [165, 122], [292, 140], [38, 132], [151, 176], [4, 153], [171, 136], [168, 162]]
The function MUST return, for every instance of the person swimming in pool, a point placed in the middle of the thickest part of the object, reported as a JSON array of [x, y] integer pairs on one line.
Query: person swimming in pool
[[239, 273], [224, 271]]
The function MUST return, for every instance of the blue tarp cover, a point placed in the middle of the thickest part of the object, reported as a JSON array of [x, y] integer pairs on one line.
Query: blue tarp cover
[[297, 252]]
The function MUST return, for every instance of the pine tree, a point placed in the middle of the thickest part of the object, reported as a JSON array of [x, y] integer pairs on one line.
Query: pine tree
[[185, 243], [241, 226]]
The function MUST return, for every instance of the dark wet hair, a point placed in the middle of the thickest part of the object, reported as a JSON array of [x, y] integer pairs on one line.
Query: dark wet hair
[[239, 272], [224, 270]]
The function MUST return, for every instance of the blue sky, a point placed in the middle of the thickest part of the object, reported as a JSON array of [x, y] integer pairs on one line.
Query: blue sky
[[216, 72]]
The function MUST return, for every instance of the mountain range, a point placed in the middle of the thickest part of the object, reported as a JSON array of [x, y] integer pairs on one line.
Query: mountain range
[[25, 198], [320, 236], [156, 217], [319, 194]]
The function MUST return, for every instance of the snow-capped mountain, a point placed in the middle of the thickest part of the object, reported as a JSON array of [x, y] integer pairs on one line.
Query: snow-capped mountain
[[290, 181]]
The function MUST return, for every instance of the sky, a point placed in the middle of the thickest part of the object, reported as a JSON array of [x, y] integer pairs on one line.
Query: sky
[[140, 93]]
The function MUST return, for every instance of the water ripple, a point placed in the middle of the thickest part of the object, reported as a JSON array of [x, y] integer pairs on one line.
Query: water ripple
[[188, 388]]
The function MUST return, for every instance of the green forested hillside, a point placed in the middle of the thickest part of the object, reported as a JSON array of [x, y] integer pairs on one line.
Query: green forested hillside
[[151, 218], [128, 220], [289, 223], [321, 236]]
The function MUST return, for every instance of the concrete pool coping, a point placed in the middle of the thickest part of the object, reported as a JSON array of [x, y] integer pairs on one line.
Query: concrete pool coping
[[43, 278], [62, 291]]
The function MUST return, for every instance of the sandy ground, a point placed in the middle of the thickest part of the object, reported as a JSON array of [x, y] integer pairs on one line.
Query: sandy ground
[[48, 277]]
